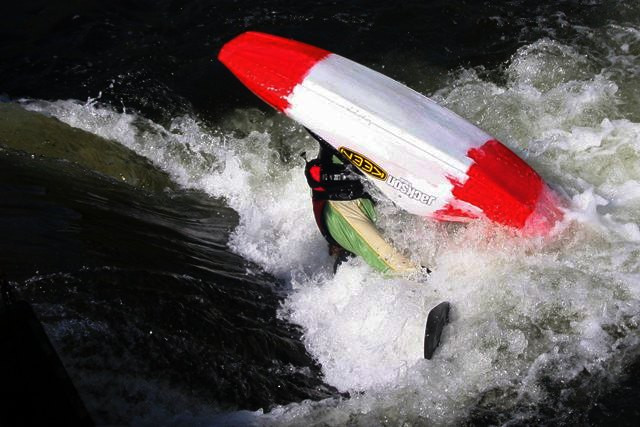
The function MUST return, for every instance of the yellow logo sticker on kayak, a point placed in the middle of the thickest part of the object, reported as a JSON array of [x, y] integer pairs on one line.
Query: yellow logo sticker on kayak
[[364, 164]]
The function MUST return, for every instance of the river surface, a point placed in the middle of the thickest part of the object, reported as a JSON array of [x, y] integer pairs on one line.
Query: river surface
[[156, 214]]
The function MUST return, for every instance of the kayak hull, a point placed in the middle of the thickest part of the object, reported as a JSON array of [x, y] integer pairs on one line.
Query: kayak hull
[[424, 157]]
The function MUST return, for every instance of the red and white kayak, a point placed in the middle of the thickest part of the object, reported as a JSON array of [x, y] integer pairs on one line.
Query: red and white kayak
[[424, 157]]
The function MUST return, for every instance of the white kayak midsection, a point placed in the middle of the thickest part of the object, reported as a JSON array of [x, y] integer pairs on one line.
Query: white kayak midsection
[[421, 145]]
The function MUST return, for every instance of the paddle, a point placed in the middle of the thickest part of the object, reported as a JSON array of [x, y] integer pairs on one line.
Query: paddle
[[437, 318]]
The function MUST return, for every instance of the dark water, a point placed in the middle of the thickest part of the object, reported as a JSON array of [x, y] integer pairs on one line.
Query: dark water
[[141, 296], [160, 55], [151, 312]]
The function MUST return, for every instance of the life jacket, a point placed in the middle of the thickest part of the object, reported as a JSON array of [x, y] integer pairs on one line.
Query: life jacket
[[331, 181]]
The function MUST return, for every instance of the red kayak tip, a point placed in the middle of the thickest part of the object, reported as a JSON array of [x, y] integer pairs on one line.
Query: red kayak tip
[[270, 66], [507, 190]]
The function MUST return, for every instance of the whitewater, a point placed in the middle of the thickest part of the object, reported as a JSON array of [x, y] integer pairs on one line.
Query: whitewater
[[540, 322]]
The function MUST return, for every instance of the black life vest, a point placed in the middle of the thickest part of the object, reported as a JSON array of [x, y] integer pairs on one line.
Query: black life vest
[[331, 181]]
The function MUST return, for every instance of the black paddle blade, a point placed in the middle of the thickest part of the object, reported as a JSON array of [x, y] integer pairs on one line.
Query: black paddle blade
[[438, 317]]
